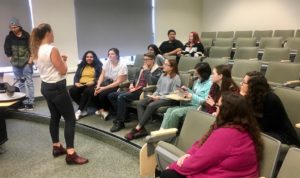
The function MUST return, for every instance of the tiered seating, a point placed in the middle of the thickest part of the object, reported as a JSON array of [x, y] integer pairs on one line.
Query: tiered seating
[[276, 54]]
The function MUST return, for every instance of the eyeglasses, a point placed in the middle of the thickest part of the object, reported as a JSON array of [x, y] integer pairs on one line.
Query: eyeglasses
[[165, 64], [243, 82]]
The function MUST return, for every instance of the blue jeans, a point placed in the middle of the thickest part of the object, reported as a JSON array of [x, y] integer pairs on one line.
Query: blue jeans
[[27, 86]]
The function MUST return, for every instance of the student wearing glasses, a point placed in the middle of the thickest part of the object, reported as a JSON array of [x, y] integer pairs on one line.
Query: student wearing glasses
[[167, 83], [268, 108]]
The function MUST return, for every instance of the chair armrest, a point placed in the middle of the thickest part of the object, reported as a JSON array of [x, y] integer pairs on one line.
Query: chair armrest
[[297, 125], [285, 61], [292, 83], [124, 84], [159, 135], [150, 88], [253, 59]]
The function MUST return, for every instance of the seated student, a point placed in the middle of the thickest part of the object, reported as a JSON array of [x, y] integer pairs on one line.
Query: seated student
[[159, 59], [193, 47], [222, 81], [114, 72], [268, 108], [231, 148], [85, 79], [148, 75], [198, 95], [167, 83], [171, 46]]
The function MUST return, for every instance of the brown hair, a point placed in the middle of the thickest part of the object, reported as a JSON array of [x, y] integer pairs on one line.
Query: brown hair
[[37, 35], [235, 113], [174, 66], [150, 55]]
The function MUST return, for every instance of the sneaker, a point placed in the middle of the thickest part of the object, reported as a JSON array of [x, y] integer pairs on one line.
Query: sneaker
[[117, 127], [29, 107], [77, 114], [98, 112], [22, 107], [104, 115], [84, 113]]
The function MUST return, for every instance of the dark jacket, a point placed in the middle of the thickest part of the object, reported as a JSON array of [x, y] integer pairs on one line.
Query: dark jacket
[[96, 64], [17, 48], [274, 120], [151, 76]]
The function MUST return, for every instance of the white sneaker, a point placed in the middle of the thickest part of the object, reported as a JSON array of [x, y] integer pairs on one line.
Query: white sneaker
[[98, 112], [77, 114], [84, 113], [104, 114]]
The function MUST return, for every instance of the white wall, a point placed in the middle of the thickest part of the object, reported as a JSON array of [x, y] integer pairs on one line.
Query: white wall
[[218, 15], [182, 16], [61, 16]]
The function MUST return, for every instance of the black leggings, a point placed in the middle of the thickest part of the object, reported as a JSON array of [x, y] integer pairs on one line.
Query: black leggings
[[59, 104], [169, 173]]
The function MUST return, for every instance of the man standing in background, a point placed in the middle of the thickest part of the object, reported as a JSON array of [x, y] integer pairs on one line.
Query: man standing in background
[[16, 48]]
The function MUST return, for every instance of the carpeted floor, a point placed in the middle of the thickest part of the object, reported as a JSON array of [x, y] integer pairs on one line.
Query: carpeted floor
[[29, 155]]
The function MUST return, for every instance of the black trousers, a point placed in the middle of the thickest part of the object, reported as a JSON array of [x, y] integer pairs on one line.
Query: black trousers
[[169, 173], [82, 95], [59, 104], [3, 133], [101, 100]]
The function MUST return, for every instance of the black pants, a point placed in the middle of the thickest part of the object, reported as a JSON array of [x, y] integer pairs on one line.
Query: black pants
[[3, 133], [169, 173], [59, 104], [101, 100], [81, 95], [119, 100]]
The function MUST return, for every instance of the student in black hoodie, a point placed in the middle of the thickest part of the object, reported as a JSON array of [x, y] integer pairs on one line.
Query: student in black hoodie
[[16, 47]]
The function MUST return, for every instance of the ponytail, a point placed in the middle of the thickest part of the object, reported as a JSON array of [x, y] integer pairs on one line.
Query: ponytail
[[37, 35]]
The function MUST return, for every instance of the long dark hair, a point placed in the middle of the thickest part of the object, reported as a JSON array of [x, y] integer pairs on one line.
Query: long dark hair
[[96, 60], [258, 87], [235, 113], [204, 70], [227, 81], [37, 35]]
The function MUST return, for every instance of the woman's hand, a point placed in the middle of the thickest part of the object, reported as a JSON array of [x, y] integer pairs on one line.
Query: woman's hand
[[181, 159], [187, 95], [210, 101], [98, 90], [78, 85], [131, 86], [90, 83]]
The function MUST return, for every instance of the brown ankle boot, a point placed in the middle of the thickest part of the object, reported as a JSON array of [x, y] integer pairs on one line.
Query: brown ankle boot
[[75, 159], [58, 150]]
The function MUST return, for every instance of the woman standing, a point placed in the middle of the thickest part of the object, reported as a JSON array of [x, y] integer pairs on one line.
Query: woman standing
[[53, 69], [85, 79]]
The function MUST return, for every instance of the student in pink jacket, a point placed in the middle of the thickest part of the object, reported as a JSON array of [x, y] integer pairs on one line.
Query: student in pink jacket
[[232, 148]]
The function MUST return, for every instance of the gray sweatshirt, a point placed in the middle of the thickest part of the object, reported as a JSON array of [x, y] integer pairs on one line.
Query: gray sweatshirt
[[166, 85]]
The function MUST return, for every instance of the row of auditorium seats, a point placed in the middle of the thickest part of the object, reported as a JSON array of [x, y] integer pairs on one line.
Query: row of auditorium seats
[[258, 34]]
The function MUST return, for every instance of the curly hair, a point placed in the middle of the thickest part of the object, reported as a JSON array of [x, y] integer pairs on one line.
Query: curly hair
[[235, 113], [258, 87]]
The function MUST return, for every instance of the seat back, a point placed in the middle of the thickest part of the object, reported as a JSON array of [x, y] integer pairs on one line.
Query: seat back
[[293, 44], [245, 42], [297, 57], [227, 42], [290, 165], [276, 54], [187, 63], [290, 99], [297, 35], [284, 34], [243, 34], [245, 53], [258, 34], [225, 34], [186, 79], [270, 156], [278, 73], [195, 125], [218, 52], [213, 62], [139, 60], [241, 67], [212, 35], [268, 42]]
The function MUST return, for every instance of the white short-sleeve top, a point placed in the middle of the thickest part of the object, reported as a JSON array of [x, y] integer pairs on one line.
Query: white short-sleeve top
[[113, 72]]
